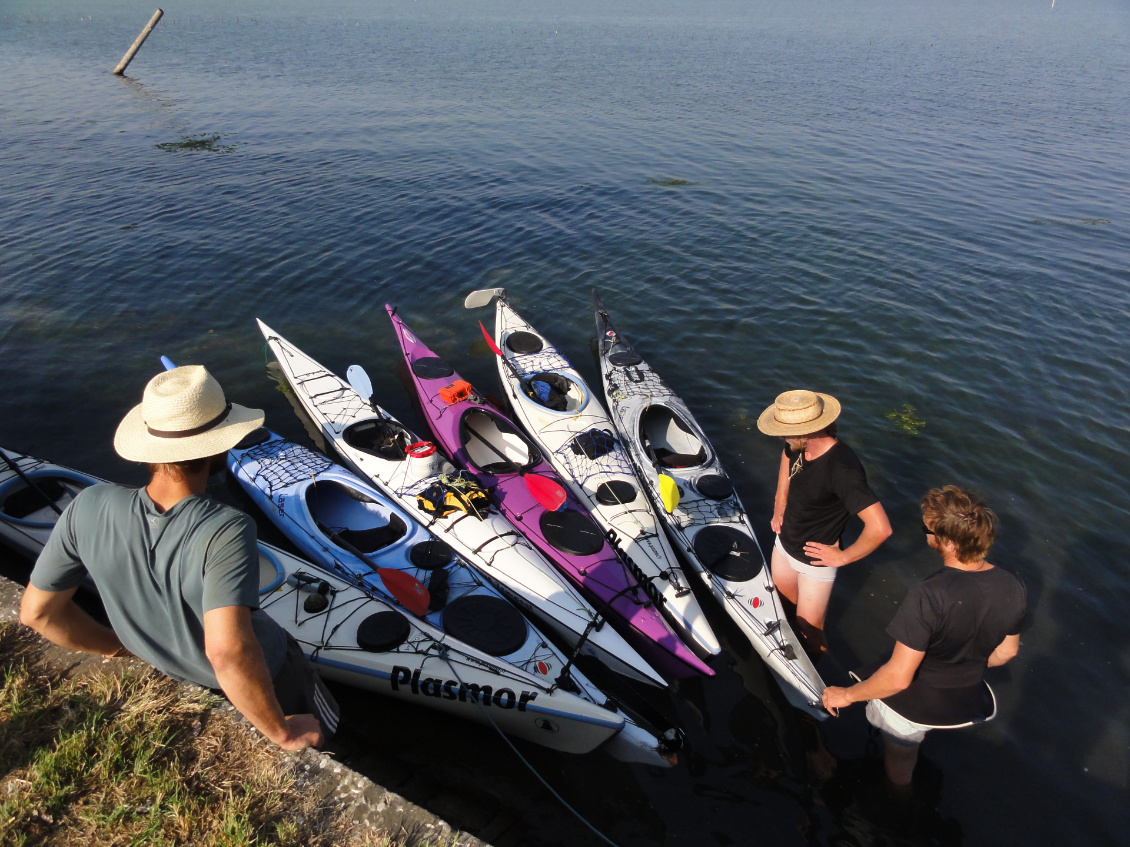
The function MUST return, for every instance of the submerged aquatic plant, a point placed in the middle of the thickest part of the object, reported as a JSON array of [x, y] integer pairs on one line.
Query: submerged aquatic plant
[[668, 182], [906, 420], [196, 142]]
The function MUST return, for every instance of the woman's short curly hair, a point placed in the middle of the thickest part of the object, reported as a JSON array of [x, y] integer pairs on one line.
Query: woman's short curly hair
[[962, 518]]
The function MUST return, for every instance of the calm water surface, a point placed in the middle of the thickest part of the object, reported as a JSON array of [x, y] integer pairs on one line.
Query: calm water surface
[[920, 208]]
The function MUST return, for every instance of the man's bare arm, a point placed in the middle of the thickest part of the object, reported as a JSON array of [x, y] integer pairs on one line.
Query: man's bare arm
[[876, 530], [55, 616], [1005, 651], [891, 678], [241, 670], [782, 496]]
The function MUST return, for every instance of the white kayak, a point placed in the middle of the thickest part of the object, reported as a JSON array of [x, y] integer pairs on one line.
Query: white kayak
[[383, 451], [554, 404], [704, 517], [355, 638]]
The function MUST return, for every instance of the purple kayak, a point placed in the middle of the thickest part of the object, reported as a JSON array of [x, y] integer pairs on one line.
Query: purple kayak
[[487, 444]]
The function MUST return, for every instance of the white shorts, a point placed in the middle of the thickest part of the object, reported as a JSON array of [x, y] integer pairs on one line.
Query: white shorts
[[893, 725], [813, 572]]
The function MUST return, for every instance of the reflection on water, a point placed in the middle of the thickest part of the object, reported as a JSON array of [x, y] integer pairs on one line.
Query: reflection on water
[[918, 209]]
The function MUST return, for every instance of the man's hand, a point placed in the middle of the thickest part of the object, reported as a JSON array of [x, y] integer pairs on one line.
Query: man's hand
[[824, 554], [302, 731], [836, 698], [778, 521]]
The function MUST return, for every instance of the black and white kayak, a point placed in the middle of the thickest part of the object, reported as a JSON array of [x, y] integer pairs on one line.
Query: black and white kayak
[[704, 517], [33, 493], [555, 406], [355, 638], [380, 449]]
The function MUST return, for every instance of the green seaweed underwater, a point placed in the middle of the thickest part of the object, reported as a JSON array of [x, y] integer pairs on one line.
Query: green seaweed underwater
[[196, 142], [906, 420]]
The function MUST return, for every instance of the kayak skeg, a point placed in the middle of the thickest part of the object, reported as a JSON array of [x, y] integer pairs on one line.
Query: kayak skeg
[[554, 404], [379, 448], [485, 443], [352, 637], [703, 515]]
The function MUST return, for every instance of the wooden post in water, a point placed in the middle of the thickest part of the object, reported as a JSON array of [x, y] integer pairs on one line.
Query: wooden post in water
[[128, 57]]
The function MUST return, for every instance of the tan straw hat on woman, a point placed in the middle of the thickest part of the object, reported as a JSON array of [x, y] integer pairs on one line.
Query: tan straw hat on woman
[[799, 413], [183, 416]]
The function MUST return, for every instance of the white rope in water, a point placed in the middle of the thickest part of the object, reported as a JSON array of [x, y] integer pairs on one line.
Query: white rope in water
[[530, 767]]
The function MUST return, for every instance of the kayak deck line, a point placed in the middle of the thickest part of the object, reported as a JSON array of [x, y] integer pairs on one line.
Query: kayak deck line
[[418, 668], [493, 545], [708, 524], [595, 569], [568, 423]]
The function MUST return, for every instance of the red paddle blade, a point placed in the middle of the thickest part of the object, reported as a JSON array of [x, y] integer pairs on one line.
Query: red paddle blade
[[408, 591], [490, 341], [545, 491]]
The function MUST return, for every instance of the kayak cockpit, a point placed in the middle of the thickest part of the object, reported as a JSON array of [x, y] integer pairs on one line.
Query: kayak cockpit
[[668, 439], [493, 446], [555, 392], [351, 516], [24, 504], [385, 439]]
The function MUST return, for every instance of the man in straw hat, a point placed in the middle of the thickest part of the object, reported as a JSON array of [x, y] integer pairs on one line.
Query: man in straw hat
[[953, 625], [178, 572], [820, 485]]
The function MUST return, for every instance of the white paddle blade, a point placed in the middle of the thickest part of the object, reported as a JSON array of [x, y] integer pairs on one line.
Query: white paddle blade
[[482, 297], [359, 381]]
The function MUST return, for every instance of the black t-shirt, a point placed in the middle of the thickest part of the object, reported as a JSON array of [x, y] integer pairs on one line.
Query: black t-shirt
[[957, 618], [823, 494]]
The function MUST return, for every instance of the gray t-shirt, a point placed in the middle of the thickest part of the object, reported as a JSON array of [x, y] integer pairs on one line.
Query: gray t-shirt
[[158, 573]]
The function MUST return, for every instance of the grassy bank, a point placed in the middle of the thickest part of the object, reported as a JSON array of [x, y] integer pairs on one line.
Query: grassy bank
[[138, 759]]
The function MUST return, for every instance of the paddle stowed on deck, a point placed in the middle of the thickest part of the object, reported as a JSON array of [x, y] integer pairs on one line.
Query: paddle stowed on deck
[[484, 442], [379, 448], [552, 401], [703, 515]]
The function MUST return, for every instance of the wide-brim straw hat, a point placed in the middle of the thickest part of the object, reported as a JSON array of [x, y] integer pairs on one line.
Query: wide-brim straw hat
[[183, 415], [799, 413]]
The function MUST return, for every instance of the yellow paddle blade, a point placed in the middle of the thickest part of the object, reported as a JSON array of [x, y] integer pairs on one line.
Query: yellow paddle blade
[[669, 491]]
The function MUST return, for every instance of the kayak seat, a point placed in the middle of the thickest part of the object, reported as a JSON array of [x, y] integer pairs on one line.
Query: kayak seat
[[670, 441], [486, 623], [484, 435], [372, 539], [383, 631], [728, 553], [380, 438], [678, 460], [432, 367], [523, 343], [27, 501], [571, 532]]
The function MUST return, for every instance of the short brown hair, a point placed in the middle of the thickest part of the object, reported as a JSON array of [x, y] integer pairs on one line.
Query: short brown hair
[[961, 518]]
